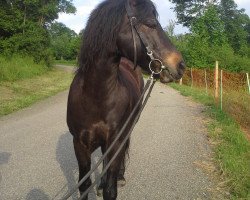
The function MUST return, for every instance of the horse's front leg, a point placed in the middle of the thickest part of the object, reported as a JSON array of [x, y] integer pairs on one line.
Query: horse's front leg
[[83, 156], [110, 186], [120, 179], [103, 179]]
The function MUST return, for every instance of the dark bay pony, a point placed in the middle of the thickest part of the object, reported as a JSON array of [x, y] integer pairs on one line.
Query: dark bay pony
[[106, 86]]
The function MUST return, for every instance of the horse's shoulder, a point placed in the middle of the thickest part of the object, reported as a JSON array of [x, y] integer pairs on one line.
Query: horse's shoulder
[[127, 71]]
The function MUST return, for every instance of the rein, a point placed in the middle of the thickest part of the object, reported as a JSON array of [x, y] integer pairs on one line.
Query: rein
[[135, 112], [141, 35], [140, 104]]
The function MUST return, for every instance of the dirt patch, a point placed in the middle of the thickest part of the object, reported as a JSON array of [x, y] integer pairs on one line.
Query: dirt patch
[[6, 93]]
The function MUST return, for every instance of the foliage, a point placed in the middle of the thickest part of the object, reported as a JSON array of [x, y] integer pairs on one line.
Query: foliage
[[231, 146], [208, 33], [170, 28], [23, 26], [210, 27], [64, 41], [235, 22], [17, 67], [189, 10], [219, 32]]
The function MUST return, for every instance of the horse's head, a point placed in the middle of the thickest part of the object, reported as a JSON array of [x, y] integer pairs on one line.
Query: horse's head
[[142, 33]]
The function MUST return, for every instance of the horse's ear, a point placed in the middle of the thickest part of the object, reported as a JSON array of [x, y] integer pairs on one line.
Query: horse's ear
[[132, 2]]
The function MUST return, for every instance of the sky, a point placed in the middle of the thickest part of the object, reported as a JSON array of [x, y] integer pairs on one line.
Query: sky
[[78, 21]]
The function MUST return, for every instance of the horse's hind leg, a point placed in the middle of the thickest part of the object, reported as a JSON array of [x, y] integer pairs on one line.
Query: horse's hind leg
[[83, 156]]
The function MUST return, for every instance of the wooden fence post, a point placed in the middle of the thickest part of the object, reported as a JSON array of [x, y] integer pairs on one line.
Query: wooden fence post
[[221, 88], [206, 81], [216, 80], [191, 77], [181, 81], [248, 83]]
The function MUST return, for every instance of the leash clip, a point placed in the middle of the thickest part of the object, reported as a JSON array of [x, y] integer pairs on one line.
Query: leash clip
[[152, 76], [150, 54]]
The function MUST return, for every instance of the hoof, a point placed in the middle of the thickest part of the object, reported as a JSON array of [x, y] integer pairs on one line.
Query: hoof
[[99, 192], [121, 182]]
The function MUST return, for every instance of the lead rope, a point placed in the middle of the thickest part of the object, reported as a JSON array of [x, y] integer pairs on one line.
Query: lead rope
[[149, 84], [134, 41]]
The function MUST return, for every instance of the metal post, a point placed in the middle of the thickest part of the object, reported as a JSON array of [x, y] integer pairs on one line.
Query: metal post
[[221, 88], [181, 81]]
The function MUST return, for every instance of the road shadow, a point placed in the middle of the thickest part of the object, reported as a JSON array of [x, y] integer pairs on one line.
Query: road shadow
[[65, 156], [37, 194], [4, 159]]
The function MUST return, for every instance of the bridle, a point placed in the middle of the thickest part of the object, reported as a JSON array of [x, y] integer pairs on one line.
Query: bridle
[[141, 35]]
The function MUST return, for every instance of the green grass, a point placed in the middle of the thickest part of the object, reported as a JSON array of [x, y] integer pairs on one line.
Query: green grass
[[65, 62], [231, 148], [236, 104], [22, 93], [20, 67]]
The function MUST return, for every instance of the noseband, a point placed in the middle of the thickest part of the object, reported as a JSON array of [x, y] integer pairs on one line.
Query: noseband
[[141, 35]]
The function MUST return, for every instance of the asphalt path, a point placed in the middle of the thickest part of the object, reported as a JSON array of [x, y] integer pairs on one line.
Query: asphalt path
[[37, 160]]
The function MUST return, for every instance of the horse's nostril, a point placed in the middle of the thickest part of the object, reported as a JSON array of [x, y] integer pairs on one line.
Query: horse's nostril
[[182, 65]]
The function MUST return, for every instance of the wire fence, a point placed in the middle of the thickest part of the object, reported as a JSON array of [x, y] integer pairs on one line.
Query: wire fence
[[232, 81], [231, 93]]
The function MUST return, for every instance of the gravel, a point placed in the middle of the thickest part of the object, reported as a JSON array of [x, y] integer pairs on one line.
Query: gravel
[[37, 159]]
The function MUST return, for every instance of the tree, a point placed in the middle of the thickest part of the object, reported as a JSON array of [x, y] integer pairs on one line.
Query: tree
[[65, 42], [210, 27], [189, 10], [23, 25], [218, 31], [208, 39], [170, 28], [236, 22]]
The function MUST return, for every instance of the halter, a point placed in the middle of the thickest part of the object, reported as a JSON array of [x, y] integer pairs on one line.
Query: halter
[[141, 35]]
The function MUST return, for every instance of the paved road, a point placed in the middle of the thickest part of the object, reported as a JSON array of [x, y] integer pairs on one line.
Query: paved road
[[37, 159]]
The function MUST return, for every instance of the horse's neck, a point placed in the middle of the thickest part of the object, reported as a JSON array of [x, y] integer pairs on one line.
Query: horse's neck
[[102, 77]]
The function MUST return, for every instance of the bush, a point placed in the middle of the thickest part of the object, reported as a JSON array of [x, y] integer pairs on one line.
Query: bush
[[36, 44], [199, 54]]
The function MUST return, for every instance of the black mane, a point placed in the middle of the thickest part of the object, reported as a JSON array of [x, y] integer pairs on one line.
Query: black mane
[[100, 34]]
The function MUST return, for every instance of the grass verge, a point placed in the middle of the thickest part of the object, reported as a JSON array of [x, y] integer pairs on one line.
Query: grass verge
[[236, 97], [20, 67], [22, 93], [65, 62], [231, 147]]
